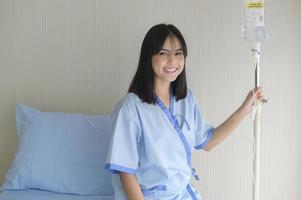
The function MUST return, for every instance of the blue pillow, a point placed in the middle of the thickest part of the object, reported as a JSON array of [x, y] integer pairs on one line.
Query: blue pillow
[[60, 152]]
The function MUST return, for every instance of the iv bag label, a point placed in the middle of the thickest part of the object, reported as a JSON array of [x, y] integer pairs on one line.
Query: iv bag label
[[255, 5], [254, 13]]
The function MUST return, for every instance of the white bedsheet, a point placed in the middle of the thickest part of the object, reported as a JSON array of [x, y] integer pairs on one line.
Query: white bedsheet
[[43, 195]]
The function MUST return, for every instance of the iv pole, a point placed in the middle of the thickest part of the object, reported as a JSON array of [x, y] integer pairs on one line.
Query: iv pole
[[253, 30], [257, 125], [256, 160]]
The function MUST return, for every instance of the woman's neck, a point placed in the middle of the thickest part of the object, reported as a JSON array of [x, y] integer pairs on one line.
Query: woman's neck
[[162, 88], [163, 92]]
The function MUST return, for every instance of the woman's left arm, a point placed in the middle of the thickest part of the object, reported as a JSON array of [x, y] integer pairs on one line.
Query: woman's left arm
[[221, 132]]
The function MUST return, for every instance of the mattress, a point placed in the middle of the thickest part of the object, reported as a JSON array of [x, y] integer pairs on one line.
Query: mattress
[[43, 195]]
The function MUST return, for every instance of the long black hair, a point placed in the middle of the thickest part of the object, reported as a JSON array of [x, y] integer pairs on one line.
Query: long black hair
[[143, 81]]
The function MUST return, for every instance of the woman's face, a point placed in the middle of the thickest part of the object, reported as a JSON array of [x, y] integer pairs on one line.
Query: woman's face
[[169, 62]]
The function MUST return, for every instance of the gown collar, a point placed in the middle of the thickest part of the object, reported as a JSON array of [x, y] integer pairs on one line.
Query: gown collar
[[171, 103]]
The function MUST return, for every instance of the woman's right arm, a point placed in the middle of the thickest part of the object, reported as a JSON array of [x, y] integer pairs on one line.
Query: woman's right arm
[[131, 186]]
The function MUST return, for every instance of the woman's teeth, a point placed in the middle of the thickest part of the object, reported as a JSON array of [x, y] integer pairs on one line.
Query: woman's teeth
[[171, 70]]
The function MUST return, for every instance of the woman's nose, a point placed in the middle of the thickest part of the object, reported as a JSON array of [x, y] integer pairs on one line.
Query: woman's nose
[[172, 59]]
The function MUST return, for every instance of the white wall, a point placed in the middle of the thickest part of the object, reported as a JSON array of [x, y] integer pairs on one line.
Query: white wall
[[79, 56], [8, 138]]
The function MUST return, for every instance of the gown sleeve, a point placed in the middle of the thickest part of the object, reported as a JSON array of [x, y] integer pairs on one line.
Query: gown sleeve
[[203, 129], [123, 153]]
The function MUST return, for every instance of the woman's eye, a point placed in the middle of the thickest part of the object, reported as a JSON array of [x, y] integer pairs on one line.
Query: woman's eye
[[162, 53], [179, 53]]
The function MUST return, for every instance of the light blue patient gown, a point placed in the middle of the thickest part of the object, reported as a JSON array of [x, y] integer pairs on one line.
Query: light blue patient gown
[[155, 144]]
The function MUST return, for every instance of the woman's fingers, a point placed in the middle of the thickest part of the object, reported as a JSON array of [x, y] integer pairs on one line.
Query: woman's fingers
[[259, 94]]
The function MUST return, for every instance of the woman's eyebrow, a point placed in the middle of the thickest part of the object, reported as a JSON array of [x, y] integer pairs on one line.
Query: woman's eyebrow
[[169, 50]]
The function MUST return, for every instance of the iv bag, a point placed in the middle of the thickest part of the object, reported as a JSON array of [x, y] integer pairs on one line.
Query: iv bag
[[253, 29]]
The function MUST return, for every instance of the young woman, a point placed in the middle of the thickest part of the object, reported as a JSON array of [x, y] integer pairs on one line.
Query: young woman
[[157, 125]]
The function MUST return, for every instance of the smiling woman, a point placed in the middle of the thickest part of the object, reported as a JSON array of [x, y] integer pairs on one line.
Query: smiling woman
[[157, 125]]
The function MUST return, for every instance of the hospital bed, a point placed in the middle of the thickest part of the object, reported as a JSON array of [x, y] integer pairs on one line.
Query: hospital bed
[[59, 156], [44, 195]]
